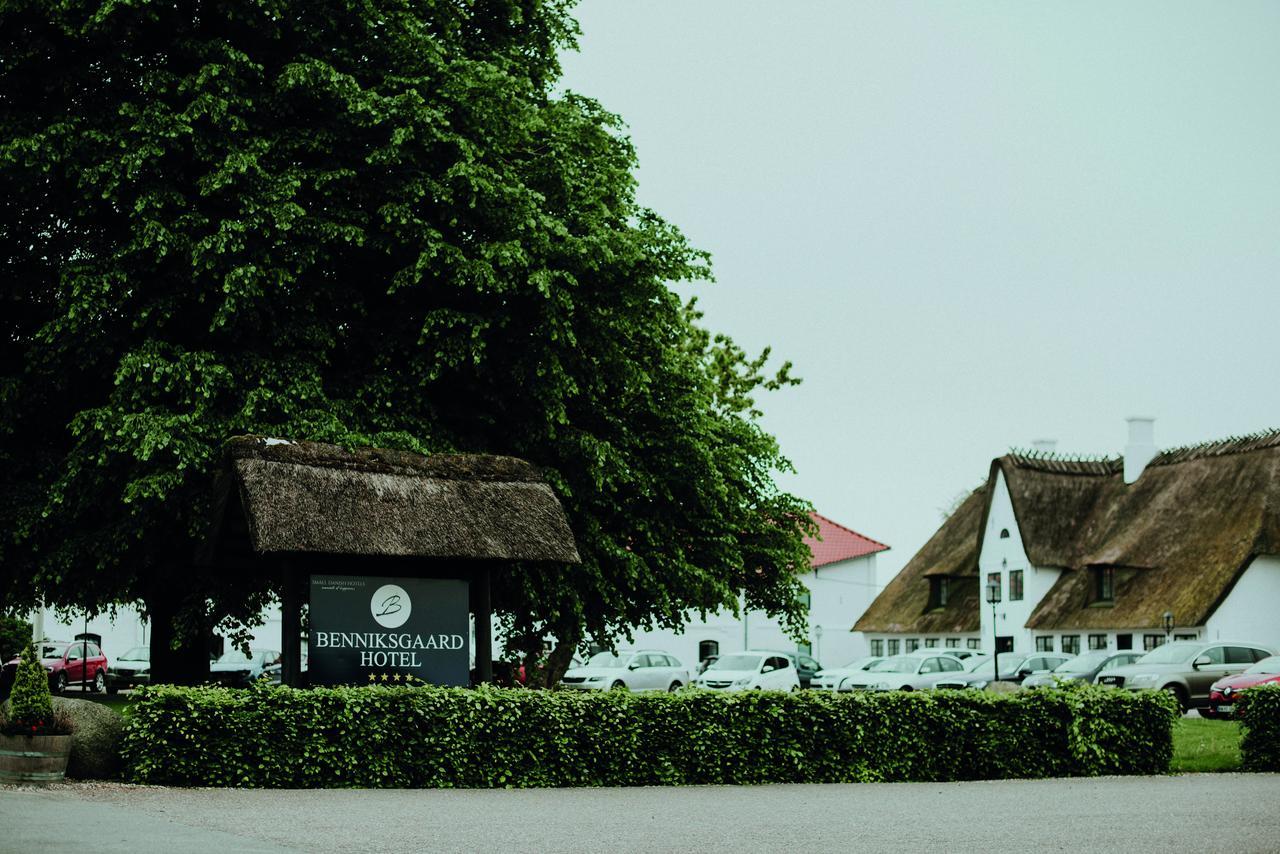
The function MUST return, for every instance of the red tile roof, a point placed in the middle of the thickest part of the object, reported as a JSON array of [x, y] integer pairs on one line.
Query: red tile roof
[[838, 543]]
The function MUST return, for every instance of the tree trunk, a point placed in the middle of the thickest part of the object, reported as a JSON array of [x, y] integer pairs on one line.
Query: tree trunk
[[179, 638]]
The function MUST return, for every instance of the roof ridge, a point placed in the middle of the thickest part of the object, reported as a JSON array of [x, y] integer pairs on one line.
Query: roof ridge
[[1259, 441], [1054, 463], [883, 546]]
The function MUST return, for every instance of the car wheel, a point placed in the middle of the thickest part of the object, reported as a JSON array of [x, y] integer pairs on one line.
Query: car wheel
[[60, 683], [675, 686], [1180, 696], [99, 683], [906, 688], [618, 686]]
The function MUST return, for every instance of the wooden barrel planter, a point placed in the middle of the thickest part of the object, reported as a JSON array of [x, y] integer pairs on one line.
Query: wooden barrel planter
[[33, 760]]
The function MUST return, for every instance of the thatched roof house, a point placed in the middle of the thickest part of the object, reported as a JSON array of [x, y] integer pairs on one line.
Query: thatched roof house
[[291, 497], [1177, 540]]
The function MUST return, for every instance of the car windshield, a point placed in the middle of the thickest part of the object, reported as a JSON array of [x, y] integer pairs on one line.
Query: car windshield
[[138, 653], [608, 659], [1171, 653], [736, 662], [1266, 666], [235, 656], [897, 664], [1082, 663], [1008, 662], [859, 663]]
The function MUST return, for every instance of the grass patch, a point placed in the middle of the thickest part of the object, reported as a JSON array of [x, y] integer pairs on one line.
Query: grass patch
[[1203, 745]]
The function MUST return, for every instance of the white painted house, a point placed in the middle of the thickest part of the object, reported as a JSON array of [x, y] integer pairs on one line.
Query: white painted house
[[1119, 553], [841, 580]]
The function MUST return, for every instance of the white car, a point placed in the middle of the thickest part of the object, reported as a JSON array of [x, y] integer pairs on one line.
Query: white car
[[741, 671], [834, 678], [631, 670], [913, 671]]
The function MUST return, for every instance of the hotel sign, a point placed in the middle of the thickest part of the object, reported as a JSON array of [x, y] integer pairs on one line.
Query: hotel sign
[[388, 630]]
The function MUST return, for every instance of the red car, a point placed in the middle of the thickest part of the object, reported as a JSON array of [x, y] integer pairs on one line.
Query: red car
[[1222, 694], [67, 665]]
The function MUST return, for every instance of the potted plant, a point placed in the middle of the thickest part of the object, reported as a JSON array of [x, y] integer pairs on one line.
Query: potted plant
[[35, 743]]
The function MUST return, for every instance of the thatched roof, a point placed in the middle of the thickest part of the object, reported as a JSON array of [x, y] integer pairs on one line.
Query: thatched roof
[[951, 551], [317, 498], [1181, 535]]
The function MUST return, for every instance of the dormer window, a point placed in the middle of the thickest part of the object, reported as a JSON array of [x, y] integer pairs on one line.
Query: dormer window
[[939, 589], [1004, 533], [1104, 583]]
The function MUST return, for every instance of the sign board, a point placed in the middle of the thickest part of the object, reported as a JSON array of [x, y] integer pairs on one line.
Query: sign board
[[366, 629]]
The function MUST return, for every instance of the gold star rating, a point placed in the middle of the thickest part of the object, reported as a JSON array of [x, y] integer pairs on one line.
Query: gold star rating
[[396, 677], [373, 677], [384, 677]]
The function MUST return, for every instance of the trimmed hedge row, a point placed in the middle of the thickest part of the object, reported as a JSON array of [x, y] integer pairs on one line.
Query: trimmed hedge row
[[1259, 711], [444, 737]]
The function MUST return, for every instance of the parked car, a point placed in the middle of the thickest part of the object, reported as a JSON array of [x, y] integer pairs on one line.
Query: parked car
[[1014, 667], [236, 669], [633, 670], [1082, 668], [912, 671], [1186, 669], [705, 663], [66, 664], [833, 678], [272, 672], [753, 669], [1222, 694], [130, 669], [806, 666]]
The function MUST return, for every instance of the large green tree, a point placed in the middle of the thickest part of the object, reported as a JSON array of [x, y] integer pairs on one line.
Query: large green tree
[[371, 222]]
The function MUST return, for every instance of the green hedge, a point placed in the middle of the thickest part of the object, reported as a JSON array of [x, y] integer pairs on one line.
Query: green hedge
[[1259, 711], [442, 737]]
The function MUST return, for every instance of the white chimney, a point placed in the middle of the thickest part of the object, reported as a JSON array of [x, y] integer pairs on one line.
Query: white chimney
[[1044, 446], [1141, 448]]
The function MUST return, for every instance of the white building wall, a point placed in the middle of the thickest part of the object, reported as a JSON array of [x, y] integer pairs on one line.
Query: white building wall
[[1251, 611], [1006, 555], [839, 593]]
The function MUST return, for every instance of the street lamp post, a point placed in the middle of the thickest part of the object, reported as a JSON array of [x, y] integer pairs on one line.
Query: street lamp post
[[993, 597], [1168, 625]]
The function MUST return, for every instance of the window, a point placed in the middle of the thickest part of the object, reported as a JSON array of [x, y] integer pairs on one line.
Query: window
[[953, 643], [776, 663], [1015, 585], [1192, 636], [912, 644], [930, 643], [974, 643], [1150, 642], [1124, 641], [1104, 584], [893, 646], [1044, 643], [1097, 641], [931, 665], [1070, 644], [1215, 654], [1004, 533], [706, 649], [939, 589], [993, 578], [1239, 655], [877, 646], [951, 665]]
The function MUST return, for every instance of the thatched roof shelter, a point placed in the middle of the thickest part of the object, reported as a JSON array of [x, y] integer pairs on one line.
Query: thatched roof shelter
[[1182, 534], [291, 497]]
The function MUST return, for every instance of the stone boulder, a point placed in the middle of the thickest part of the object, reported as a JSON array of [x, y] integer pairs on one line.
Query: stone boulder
[[95, 739], [1003, 687]]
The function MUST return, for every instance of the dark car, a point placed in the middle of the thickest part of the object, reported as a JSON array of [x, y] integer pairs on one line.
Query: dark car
[[1082, 668], [1014, 667], [805, 666], [67, 665], [1186, 669], [1224, 693], [130, 669]]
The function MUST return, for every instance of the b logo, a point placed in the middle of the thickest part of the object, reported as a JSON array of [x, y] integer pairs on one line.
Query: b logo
[[390, 606]]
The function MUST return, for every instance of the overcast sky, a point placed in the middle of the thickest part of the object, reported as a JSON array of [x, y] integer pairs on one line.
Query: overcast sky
[[970, 225]]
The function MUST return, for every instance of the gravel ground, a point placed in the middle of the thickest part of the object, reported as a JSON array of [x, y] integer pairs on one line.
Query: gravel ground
[[1198, 812]]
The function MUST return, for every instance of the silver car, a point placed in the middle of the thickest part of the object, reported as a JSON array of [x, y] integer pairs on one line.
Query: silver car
[[835, 678], [630, 670], [913, 671], [1186, 669]]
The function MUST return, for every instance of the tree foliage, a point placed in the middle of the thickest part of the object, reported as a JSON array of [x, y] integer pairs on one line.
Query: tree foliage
[[364, 223]]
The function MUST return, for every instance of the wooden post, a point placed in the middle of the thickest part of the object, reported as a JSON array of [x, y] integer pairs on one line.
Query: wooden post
[[291, 627], [484, 624]]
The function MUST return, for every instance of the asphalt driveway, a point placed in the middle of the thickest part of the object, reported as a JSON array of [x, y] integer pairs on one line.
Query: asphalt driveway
[[1204, 812]]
